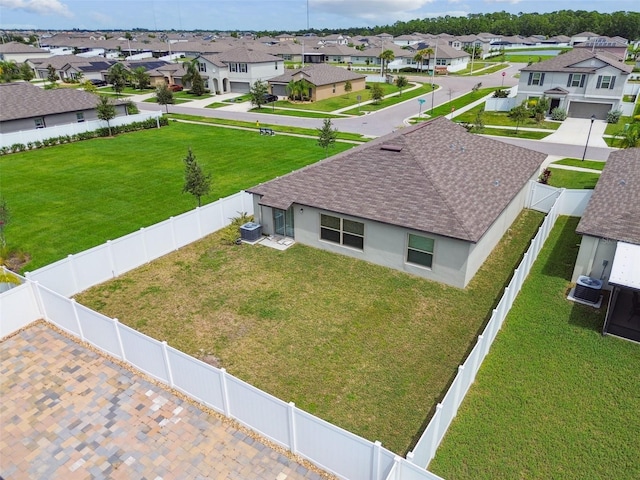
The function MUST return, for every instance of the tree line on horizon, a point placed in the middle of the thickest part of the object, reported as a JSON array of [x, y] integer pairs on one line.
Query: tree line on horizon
[[563, 22]]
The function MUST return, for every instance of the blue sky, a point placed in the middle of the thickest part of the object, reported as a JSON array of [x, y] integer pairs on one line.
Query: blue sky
[[282, 15]]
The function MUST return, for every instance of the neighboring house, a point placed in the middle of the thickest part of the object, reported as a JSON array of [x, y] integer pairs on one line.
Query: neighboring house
[[582, 82], [582, 37], [326, 81], [19, 52], [26, 107], [444, 57], [614, 45], [69, 67], [431, 200], [610, 246], [236, 70]]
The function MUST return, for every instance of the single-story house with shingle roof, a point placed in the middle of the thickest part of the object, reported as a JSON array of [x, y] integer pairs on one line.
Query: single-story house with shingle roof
[[326, 81], [24, 106], [432, 200], [610, 246], [19, 52]]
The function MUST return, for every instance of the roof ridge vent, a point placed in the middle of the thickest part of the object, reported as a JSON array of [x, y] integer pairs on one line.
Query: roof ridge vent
[[389, 147]]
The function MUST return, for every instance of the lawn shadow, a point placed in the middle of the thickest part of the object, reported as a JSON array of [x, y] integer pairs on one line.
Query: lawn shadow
[[562, 257]]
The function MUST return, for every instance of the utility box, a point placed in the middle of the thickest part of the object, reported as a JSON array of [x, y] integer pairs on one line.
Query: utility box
[[251, 232], [588, 289]]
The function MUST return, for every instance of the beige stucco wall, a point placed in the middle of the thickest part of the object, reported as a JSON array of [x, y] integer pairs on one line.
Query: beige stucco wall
[[593, 253], [327, 91]]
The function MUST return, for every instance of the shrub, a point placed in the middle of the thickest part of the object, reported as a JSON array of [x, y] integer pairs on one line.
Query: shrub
[[544, 176], [230, 235], [18, 147], [559, 114], [501, 93], [613, 116]]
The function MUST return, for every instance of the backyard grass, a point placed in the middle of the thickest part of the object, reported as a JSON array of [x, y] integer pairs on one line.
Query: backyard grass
[[276, 128], [502, 119], [365, 347], [68, 198], [572, 179], [554, 398]]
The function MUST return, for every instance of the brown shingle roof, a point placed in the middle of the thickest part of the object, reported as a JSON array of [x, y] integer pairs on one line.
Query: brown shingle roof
[[23, 100], [614, 208], [318, 74], [443, 180], [17, 47], [245, 55], [567, 61]]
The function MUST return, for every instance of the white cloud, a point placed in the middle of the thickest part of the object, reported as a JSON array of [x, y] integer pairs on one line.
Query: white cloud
[[43, 7], [512, 2], [370, 10]]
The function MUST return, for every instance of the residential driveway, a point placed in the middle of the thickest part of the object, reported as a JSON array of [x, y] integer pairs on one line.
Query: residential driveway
[[575, 131], [70, 413]]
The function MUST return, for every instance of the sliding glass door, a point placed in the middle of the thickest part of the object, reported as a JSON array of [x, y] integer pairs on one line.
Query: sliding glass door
[[283, 222]]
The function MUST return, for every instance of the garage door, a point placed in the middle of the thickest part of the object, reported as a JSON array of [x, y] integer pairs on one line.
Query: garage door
[[240, 87], [280, 90], [586, 109]]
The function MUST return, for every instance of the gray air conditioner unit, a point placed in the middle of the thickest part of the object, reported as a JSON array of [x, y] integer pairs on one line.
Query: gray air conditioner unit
[[588, 289], [251, 232]]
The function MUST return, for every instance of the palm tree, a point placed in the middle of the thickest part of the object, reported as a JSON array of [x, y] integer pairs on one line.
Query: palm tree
[[386, 57], [426, 52], [419, 59], [118, 76]]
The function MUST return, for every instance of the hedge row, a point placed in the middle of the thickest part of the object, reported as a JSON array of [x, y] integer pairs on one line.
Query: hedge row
[[101, 132]]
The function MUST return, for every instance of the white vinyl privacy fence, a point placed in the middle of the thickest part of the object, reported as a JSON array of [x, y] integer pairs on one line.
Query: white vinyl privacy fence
[[115, 257], [39, 134], [333, 449]]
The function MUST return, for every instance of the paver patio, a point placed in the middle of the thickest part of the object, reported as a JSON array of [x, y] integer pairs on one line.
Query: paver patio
[[70, 413]]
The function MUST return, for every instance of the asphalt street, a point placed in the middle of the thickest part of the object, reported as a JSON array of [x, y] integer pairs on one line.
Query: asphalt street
[[391, 118]]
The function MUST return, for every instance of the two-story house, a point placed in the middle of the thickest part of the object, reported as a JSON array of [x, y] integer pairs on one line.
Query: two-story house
[[582, 82], [236, 70]]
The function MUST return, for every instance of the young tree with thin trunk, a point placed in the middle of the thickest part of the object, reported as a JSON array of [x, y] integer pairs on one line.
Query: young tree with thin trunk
[[257, 93], [348, 87], [376, 93], [327, 136], [196, 182], [106, 110], [164, 96], [401, 82], [519, 114]]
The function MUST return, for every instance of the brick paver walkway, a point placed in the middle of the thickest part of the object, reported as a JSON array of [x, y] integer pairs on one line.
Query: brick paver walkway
[[69, 413]]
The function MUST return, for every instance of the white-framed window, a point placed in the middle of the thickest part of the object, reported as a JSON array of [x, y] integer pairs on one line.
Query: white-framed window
[[202, 67], [576, 80], [536, 78], [606, 81], [238, 67], [420, 250], [39, 122], [441, 61], [334, 88], [80, 117], [342, 231]]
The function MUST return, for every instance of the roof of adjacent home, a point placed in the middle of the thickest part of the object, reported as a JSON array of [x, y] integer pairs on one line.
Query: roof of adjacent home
[[568, 62], [23, 100], [434, 177], [614, 208], [245, 55], [318, 74], [17, 47]]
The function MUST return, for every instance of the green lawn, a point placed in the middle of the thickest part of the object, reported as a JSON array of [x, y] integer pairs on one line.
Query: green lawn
[[67, 198], [341, 101], [505, 132], [502, 119], [365, 347], [387, 102], [615, 128], [572, 179], [294, 113], [276, 128], [576, 162], [554, 398], [493, 69]]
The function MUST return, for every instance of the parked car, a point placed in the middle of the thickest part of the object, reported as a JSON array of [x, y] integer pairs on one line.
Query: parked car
[[98, 82], [268, 98], [176, 88]]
